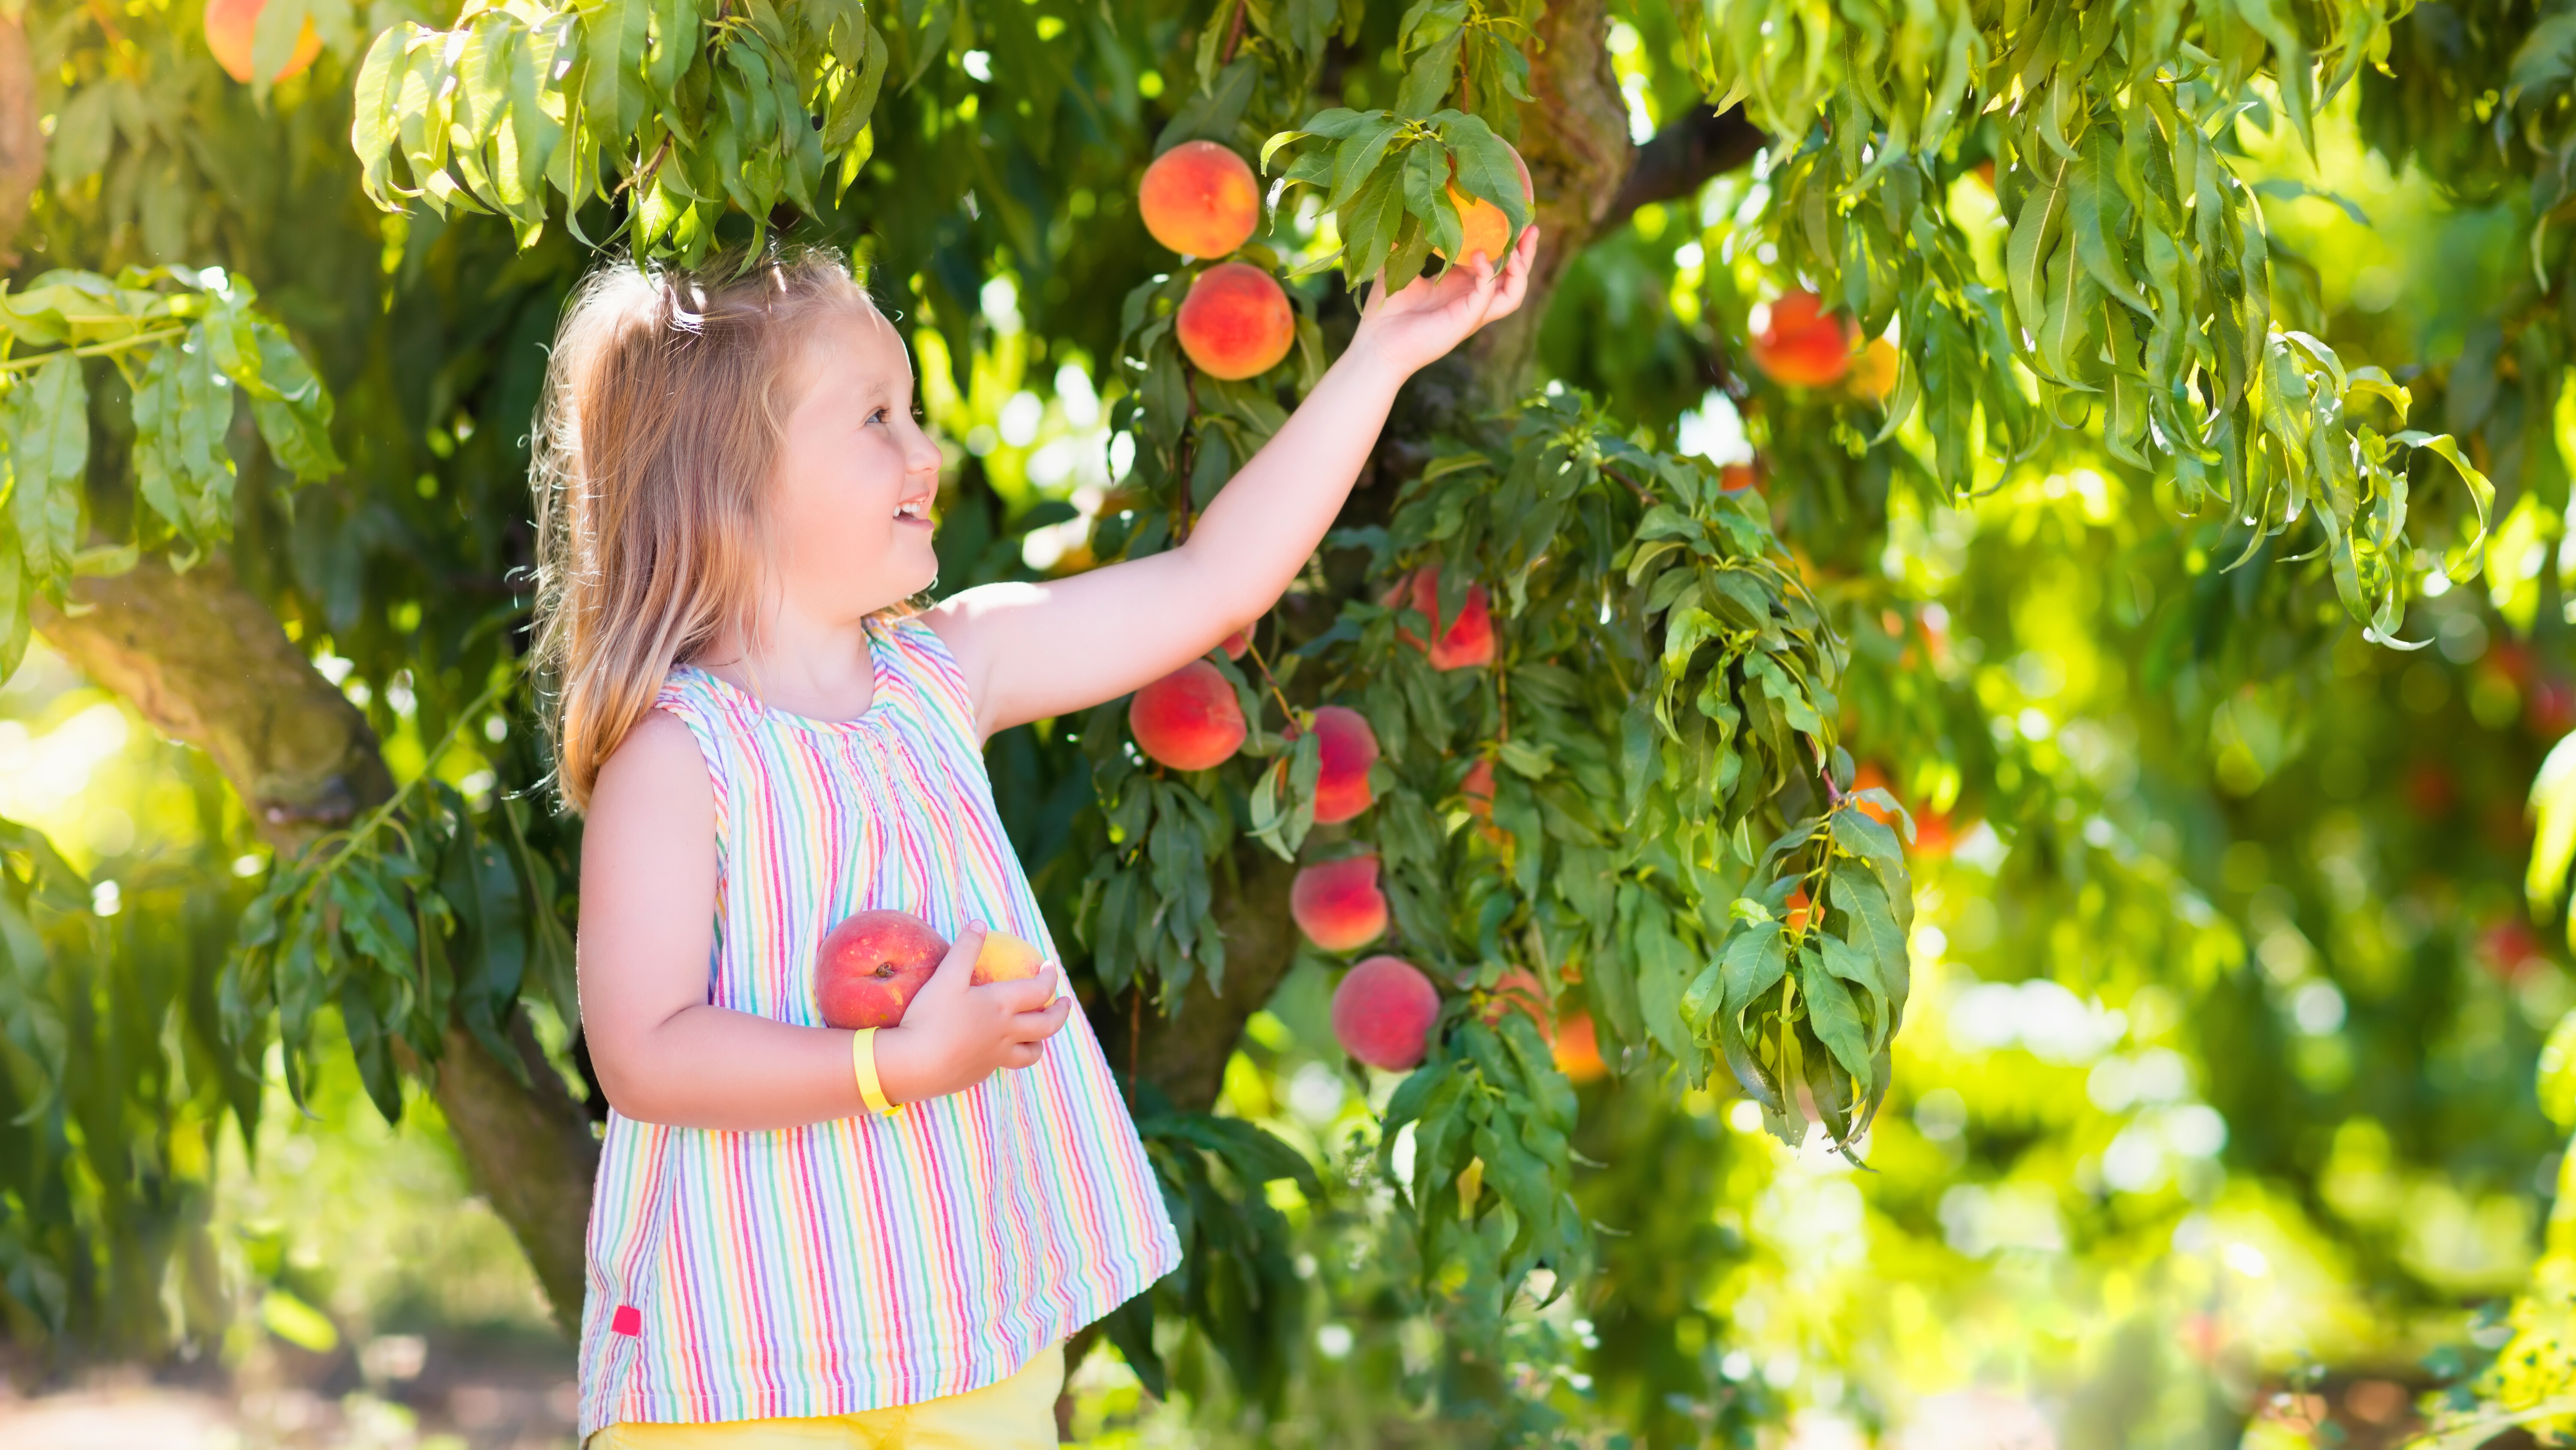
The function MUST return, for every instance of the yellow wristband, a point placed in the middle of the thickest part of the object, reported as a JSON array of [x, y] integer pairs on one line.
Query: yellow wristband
[[863, 1066]]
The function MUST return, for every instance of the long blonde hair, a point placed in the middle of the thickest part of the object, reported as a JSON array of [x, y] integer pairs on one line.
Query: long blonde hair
[[652, 459]]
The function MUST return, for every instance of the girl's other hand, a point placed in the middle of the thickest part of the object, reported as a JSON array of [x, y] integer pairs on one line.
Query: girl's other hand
[[955, 1034], [1420, 324]]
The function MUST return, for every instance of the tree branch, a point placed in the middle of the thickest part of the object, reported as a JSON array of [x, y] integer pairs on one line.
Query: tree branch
[[1684, 156], [206, 662]]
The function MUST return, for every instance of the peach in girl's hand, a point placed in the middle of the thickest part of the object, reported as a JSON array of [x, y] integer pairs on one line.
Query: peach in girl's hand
[[1005, 958], [871, 967], [875, 962]]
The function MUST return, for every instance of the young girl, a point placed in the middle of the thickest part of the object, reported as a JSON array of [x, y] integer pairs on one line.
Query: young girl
[[804, 1236]]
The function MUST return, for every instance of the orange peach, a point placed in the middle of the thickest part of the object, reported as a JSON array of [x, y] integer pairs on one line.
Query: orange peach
[[230, 25], [872, 965], [1483, 226], [1738, 477], [1236, 323], [1873, 372], [1577, 1050], [1005, 958], [1188, 719], [1802, 344], [1383, 1011], [1200, 199], [1463, 641], [1478, 788], [1349, 749], [1337, 903], [1870, 776]]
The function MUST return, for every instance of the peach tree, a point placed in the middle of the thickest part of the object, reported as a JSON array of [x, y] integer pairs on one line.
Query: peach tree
[[1558, 730]]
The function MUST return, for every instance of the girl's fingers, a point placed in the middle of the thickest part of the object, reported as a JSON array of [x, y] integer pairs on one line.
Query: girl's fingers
[[959, 965], [1039, 1026], [1028, 994]]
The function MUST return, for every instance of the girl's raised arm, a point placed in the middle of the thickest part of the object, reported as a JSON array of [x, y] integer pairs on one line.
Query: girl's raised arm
[[1030, 651]]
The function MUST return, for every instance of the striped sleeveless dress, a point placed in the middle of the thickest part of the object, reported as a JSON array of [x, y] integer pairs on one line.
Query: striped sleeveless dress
[[875, 1260]]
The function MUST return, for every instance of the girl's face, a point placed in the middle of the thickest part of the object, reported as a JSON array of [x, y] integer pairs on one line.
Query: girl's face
[[856, 476]]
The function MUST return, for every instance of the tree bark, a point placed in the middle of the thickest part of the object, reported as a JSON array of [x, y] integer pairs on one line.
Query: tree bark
[[1576, 144], [206, 662], [1184, 1052]]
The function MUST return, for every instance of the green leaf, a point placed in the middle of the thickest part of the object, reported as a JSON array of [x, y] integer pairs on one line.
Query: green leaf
[[47, 418], [1835, 1019]]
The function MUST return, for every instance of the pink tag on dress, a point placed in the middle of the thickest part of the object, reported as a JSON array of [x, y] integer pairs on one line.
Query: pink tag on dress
[[627, 1320]]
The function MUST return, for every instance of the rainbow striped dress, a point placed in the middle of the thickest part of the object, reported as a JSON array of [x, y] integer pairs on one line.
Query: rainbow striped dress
[[875, 1260]]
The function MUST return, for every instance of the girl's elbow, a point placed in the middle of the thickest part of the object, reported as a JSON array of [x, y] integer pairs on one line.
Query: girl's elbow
[[637, 1096]]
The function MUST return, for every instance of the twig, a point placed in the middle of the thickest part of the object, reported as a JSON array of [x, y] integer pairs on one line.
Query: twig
[[1234, 36], [1267, 678], [95, 349], [1634, 487], [1825, 772], [375, 819], [644, 178]]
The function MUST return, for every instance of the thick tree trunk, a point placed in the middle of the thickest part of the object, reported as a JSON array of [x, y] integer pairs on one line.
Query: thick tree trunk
[[206, 662], [1184, 1052]]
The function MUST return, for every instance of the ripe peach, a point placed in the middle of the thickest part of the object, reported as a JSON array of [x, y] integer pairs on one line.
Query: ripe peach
[[1005, 958], [1337, 903], [1463, 641], [1873, 372], [1188, 719], [1577, 1050], [229, 27], [1236, 643], [1483, 225], [871, 965], [1236, 323], [1798, 908], [1802, 344], [1478, 788], [1200, 199], [1383, 1011], [1870, 776], [1737, 477], [1349, 748]]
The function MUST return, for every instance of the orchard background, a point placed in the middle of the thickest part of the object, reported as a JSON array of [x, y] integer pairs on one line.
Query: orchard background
[[1997, 875]]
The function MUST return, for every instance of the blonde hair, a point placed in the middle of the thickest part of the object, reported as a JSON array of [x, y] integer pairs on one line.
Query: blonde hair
[[652, 458]]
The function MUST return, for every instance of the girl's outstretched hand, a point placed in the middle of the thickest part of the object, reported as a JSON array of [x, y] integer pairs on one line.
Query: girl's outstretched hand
[[956, 1034], [1434, 314]]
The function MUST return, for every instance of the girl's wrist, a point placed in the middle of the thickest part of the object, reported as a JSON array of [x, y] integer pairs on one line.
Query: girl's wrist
[[1367, 360], [898, 1070]]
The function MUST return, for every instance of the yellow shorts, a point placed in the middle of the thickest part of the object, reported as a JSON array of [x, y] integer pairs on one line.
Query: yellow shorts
[[1017, 1413]]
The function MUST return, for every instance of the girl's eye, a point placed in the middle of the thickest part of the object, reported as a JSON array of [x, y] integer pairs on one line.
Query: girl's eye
[[878, 416]]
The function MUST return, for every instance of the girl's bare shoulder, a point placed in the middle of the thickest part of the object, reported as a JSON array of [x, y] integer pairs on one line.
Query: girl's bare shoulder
[[656, 769]]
